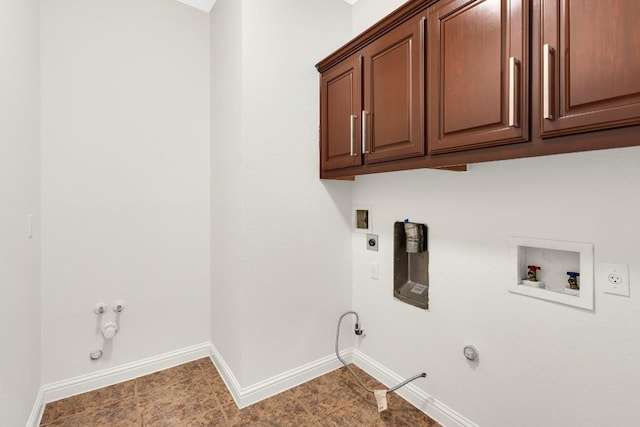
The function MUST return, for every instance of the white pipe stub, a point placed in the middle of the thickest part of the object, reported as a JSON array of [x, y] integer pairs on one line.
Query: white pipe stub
[[470, 352], [109, 330]]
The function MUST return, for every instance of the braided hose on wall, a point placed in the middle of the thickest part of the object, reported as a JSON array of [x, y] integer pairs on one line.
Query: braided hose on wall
[[358, 331]]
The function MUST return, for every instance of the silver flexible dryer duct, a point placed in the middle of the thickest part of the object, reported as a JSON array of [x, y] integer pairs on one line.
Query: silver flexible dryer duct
[[358, 331]]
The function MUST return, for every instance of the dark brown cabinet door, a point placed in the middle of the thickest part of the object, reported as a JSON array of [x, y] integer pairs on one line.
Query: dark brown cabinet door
[[478, 74], [393, 114], [589, 65], [340, 109]]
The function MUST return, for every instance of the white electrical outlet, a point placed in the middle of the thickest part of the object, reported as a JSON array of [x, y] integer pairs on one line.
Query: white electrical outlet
[[616, 279]]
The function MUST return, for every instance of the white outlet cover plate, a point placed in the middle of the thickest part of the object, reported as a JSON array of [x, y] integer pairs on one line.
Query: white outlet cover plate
[[374, 270], [620, 286]]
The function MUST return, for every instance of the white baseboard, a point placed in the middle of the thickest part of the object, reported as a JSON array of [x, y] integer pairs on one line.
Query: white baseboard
[[414, 395], [36, 412], [245, 396], [95, 380]]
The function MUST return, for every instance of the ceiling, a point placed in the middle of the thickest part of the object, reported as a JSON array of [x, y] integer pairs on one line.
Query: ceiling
[[206, 5]]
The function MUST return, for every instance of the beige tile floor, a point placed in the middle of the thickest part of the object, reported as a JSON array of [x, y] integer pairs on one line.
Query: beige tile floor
[[193, 394]]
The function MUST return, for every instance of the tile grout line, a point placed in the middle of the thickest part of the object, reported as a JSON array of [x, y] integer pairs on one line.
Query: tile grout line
[[136, 396], [215, 396], [313, 417]]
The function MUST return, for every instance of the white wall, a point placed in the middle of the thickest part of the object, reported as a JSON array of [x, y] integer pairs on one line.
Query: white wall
[[125, 172], [19, 197], [368, 12], [227, 130], [289, 245], [125, 177], [541, 363]]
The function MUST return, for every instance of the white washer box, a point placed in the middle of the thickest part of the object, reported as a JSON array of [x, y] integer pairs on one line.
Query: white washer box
[[555, 259]]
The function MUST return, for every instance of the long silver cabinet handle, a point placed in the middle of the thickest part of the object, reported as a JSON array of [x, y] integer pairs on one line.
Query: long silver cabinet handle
[[353, 135], [365, 134], [547, 51], [513, 87]]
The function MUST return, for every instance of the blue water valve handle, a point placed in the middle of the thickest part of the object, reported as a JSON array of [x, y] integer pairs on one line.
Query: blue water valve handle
[[406, 220], [572, 274]]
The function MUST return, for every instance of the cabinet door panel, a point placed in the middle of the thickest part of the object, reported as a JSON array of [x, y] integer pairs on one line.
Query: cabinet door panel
[[478, 94], [394, 94], [473, 68], [340, 108], [594, 63]]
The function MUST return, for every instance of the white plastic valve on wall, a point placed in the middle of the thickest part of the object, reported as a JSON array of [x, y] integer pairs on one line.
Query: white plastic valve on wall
[[109, 330], [100, 308]]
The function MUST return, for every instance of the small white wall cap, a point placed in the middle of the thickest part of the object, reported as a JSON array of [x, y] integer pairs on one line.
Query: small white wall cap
[[109, 330], [203, 5]]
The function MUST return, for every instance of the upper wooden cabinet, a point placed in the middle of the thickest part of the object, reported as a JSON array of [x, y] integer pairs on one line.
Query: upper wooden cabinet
[[393, 113], [340, 109], [590, 65], [444, 83], [372, 99], [478, 74]]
